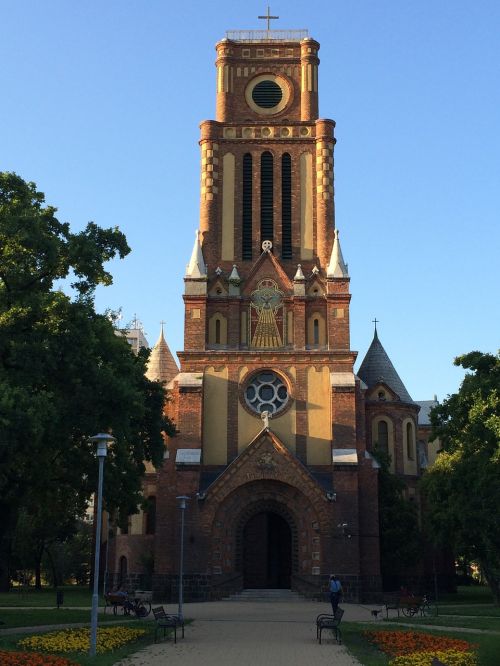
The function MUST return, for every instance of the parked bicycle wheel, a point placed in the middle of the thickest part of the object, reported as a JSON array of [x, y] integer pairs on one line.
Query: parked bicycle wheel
[[409, 611], [141, 610]]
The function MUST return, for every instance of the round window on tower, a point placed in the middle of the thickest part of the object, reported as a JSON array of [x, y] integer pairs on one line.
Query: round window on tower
[[268, 94], [266, 391]]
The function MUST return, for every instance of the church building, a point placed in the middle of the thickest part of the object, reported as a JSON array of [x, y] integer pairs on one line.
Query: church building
[[275, 428]]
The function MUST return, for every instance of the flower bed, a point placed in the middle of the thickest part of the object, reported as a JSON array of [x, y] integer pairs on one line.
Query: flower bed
[[78, 640], [412, 648], [8, 658]]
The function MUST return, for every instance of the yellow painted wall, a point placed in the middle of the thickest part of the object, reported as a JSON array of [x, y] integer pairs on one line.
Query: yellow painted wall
[[306, 207], [432, 450], [319, 418], [223, 329], [215, 416], [321, 329], [135, 524], [249, 426], [228, 207]]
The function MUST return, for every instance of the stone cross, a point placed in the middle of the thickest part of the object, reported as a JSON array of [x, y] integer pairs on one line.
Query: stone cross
[[265, 416]]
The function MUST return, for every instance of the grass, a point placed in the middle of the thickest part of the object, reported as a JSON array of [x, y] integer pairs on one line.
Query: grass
[[492, 624], [468, 594], [107, 659], [47, 616], [19, 597]]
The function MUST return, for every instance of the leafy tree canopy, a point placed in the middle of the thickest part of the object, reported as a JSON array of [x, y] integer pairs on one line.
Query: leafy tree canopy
[[463, 485], [400, 538], [64, 373]]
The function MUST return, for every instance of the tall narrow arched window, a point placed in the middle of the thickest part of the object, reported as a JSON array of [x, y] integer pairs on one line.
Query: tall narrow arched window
[[246, 236], [123, 568], [217, 331], [266, 197], [383, 436], [286, 206], [315, 331], [409, 442], [151, 515]]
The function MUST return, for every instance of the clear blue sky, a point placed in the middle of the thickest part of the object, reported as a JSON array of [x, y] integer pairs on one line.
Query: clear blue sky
[[101, 102]]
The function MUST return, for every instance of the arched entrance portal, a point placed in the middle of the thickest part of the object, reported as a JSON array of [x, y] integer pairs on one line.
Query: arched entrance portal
[[267, 551]]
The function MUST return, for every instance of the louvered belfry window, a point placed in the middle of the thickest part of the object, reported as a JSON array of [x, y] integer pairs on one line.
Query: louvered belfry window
[[286, 206], [246, 250], [266, 197]]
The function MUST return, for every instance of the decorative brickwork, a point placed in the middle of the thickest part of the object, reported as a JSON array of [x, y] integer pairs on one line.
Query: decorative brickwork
[[286, 499]]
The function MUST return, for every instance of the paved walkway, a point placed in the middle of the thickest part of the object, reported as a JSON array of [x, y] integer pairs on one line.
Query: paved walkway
[[249, 633]]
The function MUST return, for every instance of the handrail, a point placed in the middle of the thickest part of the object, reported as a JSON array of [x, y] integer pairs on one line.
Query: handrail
[[267, 35]]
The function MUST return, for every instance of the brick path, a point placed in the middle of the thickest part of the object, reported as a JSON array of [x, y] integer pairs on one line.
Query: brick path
[[251, 633]]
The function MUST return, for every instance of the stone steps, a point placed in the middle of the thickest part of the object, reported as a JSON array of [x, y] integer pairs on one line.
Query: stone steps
[[265, 595]]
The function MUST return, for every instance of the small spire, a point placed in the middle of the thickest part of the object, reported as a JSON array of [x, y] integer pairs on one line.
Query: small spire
[[161, 364], [299, 275], [337, 268], [234, 278], [196, 267]]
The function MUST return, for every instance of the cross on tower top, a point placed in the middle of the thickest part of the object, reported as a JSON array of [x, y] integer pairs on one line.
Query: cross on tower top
[[375, 321], [268, 17]]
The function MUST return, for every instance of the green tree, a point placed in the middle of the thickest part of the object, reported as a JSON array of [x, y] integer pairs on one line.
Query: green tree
[[64, 373], [463, 485], [400, 537]]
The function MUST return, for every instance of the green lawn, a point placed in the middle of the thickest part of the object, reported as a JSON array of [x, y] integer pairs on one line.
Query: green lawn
[[468, 594], [73, 596], [492, 624], [28, 617]]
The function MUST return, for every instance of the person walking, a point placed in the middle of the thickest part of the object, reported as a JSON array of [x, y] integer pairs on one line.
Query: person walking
[[335, 588]]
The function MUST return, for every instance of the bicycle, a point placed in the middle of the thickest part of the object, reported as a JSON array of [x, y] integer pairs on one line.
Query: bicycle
[[427, 607]]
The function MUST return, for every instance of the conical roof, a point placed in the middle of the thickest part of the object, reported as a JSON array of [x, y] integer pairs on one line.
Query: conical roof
[[377, 367], [337, 268], [196, 267], [161, 364]]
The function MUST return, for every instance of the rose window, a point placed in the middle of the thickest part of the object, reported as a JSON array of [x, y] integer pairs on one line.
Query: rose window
[[266, 392]]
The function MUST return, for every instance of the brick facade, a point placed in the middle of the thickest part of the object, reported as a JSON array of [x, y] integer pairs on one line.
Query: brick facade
[[306, 471]]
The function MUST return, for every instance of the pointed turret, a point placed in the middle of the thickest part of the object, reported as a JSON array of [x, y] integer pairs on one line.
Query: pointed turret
[[337, 268], [299, 275], [161, 364], [377, 367], [196, 267]]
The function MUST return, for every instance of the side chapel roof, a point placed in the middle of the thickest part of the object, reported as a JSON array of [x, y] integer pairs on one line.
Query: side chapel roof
[[161, 364], [377, 367]]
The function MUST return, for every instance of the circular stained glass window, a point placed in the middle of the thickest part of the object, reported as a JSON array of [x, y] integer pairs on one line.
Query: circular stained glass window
[[267, 392]]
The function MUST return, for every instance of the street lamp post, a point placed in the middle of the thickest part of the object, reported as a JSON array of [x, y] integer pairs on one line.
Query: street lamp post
[[182, 506], [102, 440]]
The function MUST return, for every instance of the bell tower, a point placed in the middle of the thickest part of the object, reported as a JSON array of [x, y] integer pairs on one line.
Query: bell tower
[[267, 160]]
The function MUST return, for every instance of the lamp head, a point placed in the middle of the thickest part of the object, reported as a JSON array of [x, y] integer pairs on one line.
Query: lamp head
[[102, 440], [182, 501]]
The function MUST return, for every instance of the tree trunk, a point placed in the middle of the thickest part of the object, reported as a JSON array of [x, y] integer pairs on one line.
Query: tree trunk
[[38, 568]]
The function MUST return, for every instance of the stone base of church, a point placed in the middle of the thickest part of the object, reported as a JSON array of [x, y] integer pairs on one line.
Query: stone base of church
[[205, 587]]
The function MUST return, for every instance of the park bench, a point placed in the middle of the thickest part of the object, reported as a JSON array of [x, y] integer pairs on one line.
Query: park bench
[[391, 603], [324, 621], [165, 621], [408, 605]]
